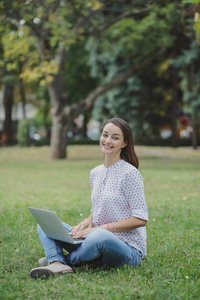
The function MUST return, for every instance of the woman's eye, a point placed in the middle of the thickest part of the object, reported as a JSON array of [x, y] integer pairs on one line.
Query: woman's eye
[[115, 138]]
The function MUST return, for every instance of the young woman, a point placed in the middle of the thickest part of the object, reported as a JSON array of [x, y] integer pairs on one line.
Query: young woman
[[115, 231]]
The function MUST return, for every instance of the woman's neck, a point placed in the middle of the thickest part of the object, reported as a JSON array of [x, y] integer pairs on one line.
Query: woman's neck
[[109, 161]]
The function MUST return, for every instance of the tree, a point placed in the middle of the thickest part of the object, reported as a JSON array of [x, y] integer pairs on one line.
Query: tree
[[14, 53], [8, 103], [186, 64], [157, 95], [8, 82], [56, 26], [152, 97]]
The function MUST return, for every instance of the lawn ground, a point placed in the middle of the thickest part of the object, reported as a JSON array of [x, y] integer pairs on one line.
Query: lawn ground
[[171, 269]]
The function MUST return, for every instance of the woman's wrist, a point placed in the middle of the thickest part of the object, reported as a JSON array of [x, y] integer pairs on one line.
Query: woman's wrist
[[111, 227], [115, 228]]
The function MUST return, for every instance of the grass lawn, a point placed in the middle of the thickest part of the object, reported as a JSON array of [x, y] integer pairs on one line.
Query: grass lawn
[[172, 188]]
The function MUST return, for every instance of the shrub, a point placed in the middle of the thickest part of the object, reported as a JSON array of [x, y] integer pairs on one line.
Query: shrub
[[23, 133]]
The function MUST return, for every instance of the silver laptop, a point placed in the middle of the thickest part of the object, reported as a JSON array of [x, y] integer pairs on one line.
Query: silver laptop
[[52, 226]]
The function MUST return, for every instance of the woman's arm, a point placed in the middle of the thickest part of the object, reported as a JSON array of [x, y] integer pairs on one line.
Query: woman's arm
[[120, 226], [125, 225]]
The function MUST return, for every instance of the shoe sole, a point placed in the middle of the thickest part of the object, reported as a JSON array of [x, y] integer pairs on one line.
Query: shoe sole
[[41, 273], [46, 273]]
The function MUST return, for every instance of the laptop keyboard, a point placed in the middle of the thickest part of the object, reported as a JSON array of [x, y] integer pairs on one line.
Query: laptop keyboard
[[77, 240]]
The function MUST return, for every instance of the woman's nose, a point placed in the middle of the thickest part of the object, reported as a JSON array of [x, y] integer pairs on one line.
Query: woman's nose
[[108, 139]]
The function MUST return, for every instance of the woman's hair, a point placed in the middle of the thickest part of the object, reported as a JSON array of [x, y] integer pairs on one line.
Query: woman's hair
[[128, 152]]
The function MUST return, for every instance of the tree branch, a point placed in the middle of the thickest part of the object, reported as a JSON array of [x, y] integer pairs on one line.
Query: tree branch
[[134, 12], [12, 21], [88, 102], [60, 56], [93, 31]]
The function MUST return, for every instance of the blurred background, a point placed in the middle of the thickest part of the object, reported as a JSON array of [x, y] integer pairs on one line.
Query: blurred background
[[66, 66]]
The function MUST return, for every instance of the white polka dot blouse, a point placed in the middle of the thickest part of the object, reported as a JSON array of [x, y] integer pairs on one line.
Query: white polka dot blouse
[[117, 194]]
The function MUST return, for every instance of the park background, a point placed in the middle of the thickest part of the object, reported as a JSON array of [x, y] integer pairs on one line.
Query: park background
[[66, 66]]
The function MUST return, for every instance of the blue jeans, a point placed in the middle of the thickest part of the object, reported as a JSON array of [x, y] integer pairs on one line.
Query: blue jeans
[[100, 244]]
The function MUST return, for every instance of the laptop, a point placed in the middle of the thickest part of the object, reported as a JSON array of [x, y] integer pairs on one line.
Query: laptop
[[52, 226]]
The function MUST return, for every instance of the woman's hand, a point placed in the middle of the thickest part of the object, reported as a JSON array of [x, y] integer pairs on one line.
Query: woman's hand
[[85, 224], [83, 233]]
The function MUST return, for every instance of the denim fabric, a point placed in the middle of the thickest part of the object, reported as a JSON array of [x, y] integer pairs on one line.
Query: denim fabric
[[100, 244]]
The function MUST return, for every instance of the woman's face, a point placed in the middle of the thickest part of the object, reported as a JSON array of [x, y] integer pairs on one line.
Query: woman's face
[[112, 140]]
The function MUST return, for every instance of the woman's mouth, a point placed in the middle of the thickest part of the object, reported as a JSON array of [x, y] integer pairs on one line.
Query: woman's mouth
[[107, 146]]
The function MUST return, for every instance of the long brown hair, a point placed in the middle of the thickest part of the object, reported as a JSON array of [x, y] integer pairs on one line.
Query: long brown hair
[[128, 152]]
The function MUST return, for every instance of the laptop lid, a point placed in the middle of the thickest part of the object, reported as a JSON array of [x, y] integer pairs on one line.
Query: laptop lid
[[51, 225]]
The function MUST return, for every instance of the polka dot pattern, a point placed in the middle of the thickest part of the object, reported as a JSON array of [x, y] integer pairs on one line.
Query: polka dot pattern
[[117, 194]]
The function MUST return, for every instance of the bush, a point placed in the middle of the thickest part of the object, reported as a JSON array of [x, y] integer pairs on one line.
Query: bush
[[82, 141], [42, 142], [23, 133], [163, 142]]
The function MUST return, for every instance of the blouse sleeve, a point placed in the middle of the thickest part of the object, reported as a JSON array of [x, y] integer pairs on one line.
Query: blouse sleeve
[[91, 181], [133, 188]]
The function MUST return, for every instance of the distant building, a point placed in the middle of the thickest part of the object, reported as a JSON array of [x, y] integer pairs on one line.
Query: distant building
[[17, 116], [17, 112]]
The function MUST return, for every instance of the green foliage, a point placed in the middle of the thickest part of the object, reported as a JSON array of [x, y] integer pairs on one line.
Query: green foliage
[[190, 77], [123, 102], [42, 117], [141, 37], [24, 133], [19, 48], [78, 74], [171, 268], [144, 100], [95, 53], [190, 1], [131, 40], [187, 56], [50, 23]]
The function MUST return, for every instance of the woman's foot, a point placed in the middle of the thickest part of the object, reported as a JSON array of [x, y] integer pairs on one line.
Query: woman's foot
[[43, 262], [51, 270]]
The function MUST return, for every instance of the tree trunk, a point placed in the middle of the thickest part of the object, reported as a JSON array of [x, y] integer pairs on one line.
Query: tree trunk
[[195, 129], [174, 107], [59, 124], [58, 138], [63, 114], [22, 92], [8, 103], [85, 123], [194, 110]]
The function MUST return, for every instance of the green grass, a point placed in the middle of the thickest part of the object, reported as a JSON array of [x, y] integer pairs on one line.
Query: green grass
[[172, 187]]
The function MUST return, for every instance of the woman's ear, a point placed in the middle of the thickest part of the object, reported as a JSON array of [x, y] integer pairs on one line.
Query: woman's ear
[[124, 145]]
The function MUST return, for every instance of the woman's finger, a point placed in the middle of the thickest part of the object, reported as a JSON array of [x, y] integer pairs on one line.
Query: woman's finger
[[77, 228], [83, 233]]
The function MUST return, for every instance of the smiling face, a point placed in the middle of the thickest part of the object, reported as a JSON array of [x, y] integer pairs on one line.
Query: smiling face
[[112, 140]]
